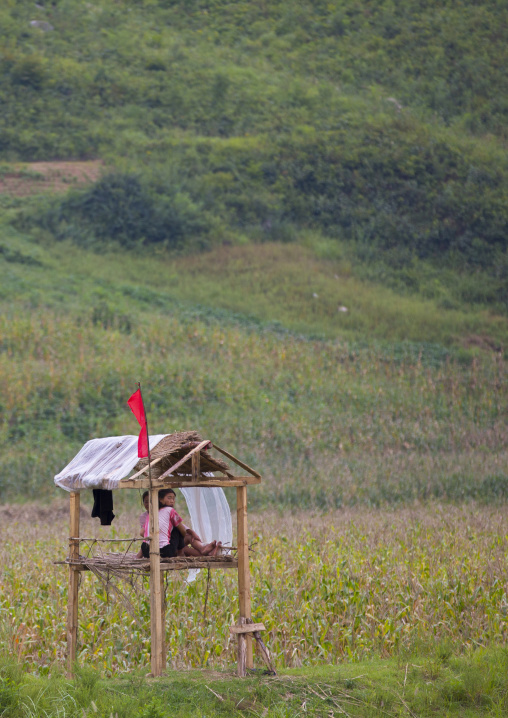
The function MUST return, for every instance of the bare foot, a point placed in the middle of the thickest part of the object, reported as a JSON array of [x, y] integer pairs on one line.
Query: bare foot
[[217, 549], [209, 548]]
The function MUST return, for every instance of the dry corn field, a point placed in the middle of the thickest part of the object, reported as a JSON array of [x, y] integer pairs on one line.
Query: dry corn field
[[329, 588]]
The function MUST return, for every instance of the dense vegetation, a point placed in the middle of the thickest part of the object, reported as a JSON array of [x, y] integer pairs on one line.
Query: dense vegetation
[[369, 422], [463, 687], [338, 146], [378, 122], [299, 247], [424, 587]]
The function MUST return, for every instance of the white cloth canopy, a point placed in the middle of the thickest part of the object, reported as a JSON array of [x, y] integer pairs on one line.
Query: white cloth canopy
[[102, 463]]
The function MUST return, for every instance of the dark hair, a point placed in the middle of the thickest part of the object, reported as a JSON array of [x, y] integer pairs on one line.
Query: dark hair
[[164, 493], [145, 494]]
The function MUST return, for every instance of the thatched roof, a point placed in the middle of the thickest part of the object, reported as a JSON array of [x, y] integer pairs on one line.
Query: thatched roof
[[174, 447]]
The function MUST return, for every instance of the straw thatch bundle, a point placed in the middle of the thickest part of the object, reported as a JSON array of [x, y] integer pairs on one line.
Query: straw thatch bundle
[[173, 447]]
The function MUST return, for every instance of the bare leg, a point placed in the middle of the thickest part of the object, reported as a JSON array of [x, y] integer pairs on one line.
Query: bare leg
[[197, 548], [189, 551]]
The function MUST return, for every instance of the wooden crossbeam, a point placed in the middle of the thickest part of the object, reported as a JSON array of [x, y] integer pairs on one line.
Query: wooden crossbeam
[[143, 470], [175, 482], [145, 565], [237, 461], [247, 628]]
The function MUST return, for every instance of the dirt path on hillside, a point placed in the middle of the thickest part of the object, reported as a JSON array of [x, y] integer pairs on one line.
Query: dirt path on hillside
[[27, 178]]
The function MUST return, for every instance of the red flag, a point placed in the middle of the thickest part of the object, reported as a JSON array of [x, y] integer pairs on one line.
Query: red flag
[[136, 404]]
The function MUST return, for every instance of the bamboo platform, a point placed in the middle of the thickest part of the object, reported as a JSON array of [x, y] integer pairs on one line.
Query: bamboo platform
[[128, 563]]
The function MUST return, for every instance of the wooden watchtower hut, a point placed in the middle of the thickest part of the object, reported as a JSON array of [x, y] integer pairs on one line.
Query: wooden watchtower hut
[[178, 460]]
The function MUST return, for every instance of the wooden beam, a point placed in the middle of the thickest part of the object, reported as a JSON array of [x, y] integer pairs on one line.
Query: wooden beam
[[199, 564], [157, 638], [265, 653], [72, 598], [174, 482], [196, 466], [163, 619], [243, 569], [247, 628], [164, 566], [237, 461]]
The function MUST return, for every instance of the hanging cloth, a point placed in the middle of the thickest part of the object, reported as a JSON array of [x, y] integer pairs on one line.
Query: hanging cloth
[[103, 506]]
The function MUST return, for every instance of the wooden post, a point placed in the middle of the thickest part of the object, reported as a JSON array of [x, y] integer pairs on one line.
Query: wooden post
[[196, 465], [242, 651], [244, 627], [163, 620], [157, 637], [243, 568], [72, 598]]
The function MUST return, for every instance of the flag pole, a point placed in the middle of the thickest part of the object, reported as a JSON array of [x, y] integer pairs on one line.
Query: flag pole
[[157, 611], [147, 437]]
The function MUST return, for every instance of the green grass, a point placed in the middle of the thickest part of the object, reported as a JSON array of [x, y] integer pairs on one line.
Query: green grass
[[288, 288], [473, 687]]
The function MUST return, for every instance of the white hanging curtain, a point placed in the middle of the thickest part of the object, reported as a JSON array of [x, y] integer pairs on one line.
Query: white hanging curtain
[[209, 513], [210, 516]]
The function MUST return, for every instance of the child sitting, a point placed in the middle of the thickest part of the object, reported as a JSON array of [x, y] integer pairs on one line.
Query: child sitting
[[175, 539], [145, 500]]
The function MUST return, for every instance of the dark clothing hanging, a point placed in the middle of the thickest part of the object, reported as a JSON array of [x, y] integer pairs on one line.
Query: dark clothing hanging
[[103, 506]]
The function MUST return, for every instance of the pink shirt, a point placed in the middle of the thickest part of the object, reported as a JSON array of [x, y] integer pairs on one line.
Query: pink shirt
[[142, 520], [168, 520]]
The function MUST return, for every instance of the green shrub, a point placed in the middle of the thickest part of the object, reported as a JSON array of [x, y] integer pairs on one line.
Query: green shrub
[[124, 209]]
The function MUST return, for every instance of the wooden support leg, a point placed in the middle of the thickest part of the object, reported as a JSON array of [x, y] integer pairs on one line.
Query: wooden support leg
[[157, 638], [243, 570], [247, 627], [264, 652], [72, 599], [242, 652], [163, 620]]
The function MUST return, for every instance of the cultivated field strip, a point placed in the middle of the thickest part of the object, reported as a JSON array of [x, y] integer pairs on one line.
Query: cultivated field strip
[[327, 424], [330, 588]]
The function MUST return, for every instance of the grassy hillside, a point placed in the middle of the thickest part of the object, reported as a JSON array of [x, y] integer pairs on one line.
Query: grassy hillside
[[344, 167], [290, 224], [383, 124], [236, 343]]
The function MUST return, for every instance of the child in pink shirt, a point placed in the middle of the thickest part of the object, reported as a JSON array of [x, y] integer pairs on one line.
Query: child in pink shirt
[[175, 539]]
